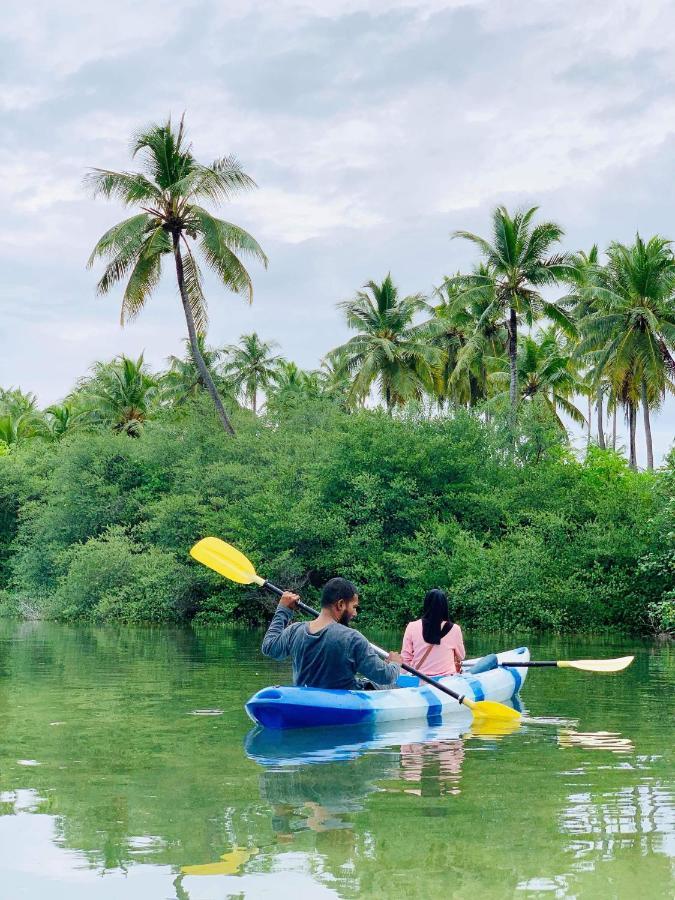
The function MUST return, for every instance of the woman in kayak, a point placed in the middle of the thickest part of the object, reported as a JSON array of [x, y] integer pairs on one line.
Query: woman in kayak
[[433, 644]]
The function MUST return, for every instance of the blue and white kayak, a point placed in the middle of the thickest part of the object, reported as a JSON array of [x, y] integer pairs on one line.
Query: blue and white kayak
[[306, 707]]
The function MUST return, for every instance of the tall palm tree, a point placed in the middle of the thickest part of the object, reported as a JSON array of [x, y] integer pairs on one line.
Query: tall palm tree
[[518, 260], [546, 373], [251, 366], [633, 329], [118, 394], [168, 190], [389, 350]]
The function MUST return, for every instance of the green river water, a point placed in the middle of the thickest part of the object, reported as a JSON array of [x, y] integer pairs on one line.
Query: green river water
[[124, 758]]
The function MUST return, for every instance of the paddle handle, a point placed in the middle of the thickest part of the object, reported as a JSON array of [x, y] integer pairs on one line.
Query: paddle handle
[[273, 589]]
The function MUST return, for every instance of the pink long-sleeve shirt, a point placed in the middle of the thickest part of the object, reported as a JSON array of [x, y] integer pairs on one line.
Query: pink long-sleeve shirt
[[442, 658]]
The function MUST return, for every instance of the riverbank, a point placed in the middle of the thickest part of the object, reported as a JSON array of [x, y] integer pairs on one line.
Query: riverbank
[[518, 530]]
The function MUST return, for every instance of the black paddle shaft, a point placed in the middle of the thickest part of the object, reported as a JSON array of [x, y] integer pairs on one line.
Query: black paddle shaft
[[273, 589], [539, 664]]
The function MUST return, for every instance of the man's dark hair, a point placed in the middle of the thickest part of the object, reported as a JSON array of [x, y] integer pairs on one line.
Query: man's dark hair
[[337, 589]]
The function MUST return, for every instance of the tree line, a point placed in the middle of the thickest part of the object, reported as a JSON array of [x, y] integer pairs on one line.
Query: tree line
[[608, 339], [429, 448], [604, 329]]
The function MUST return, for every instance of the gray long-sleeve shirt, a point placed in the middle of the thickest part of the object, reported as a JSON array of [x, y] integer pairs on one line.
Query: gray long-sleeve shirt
[[328, 659]]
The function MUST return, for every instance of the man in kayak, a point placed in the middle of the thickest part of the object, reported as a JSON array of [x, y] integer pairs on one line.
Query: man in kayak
[[325, 652]]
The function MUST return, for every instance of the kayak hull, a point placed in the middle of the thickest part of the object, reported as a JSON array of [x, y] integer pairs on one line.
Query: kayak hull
[[304, 707]]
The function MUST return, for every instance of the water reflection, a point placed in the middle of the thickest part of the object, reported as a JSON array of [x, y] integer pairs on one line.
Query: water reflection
[[138, 735], [436, 767], [595, 740], [307, 784]]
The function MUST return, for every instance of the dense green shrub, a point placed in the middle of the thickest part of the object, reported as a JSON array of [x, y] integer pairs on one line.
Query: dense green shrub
[[112, 578], [98, 526]]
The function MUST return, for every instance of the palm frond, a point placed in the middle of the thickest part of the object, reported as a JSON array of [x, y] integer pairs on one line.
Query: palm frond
[[127, 187], [145, 274], [217, 182], [192, 280], [222, 261], [220, 232], [560, 318], [121, 237]]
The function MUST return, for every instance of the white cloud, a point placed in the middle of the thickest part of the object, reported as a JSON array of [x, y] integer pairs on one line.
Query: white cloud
[[373, 127], [292, 217], [20, 96], [62, 38]]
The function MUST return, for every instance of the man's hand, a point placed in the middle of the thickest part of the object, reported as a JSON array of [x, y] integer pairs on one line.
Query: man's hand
[[289, 600], [395, 658]]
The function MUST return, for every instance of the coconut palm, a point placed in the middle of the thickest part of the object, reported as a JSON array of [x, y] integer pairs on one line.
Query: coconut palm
[[61, 419], [291, 387], [633, 329], [546, 373], [335, 378], [168, 191], [118, 394], [20, 418], [518, 260], [183, 380], [251, 366], [584, 302], [389, 349], [15, 428], [15, 402], [468, 338]]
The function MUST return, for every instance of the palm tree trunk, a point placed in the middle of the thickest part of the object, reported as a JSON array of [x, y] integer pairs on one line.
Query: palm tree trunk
[[194, 343], [598, 406], [513, 358], [255, 401], [632, 416], [590, 419], [648, 427], [614, 428]]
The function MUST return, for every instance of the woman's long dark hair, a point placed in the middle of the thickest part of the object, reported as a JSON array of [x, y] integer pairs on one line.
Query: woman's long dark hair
[[435, 613]]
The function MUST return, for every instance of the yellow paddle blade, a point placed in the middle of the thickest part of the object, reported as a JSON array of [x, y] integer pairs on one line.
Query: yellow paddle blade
[[229, 865], [493, 728], [490, 709], [597, 665], [226, 560]]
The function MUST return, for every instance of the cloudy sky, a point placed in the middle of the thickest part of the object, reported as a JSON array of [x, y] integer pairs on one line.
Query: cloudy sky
[[373, 128]]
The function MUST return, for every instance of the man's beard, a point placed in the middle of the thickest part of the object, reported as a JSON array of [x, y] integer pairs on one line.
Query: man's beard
[[345, 618]]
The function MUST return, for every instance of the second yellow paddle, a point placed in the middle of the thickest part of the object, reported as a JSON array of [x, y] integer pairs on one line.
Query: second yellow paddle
[[584, 665]]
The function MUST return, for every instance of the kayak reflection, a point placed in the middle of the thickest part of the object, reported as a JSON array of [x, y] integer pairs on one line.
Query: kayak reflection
[[308, 784], [278, 750]]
